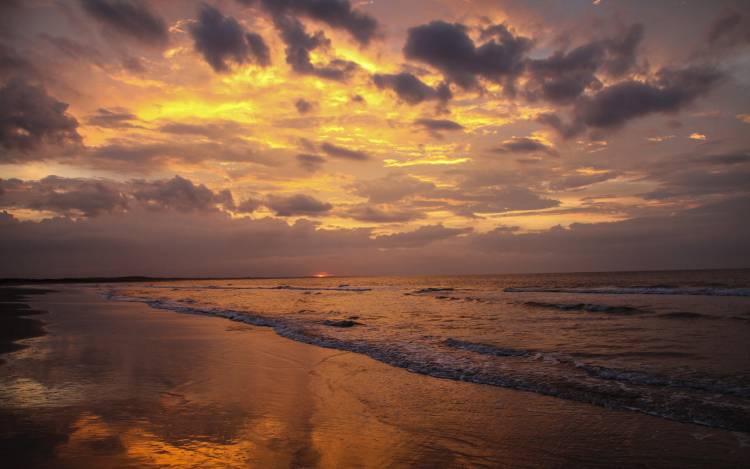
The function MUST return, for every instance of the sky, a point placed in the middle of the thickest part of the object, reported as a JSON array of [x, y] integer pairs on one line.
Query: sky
[[380, 137]]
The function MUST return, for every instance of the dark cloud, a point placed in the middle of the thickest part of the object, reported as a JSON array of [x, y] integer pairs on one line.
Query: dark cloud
[[297, 205], [335, 13], [622, 51], [438, 124], [74, 50], [133, 65], [448, 48], [667, 91], [303, 106], [411, 89], [694, 177], [565, 129], [420, 237], [336, 151], [113, 118], [564, 76], [219, 129], [710, 236], [670, 91], [136, 157], [30, 117], [299, 44], [221, 38], [94, 197], [213, 243], [130, 17], [310, 162], [392, 188], [64, 196], [731, 28], [471, 199], [179, 194], [576, 181], [524, 145], [15, 65], [379, 214], [248, 206]]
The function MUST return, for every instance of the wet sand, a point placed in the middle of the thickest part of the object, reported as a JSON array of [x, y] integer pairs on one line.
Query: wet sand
[[14, 323], [123, 385]]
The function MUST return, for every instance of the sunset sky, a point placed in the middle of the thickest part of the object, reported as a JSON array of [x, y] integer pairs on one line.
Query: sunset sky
[[293, 137]]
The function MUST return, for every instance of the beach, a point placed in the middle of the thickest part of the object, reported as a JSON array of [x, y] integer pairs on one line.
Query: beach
[[116, 384]]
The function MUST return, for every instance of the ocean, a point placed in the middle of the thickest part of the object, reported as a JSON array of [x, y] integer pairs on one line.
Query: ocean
[[670, 344]]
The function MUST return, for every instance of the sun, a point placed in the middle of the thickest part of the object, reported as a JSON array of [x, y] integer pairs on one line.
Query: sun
[[322, 275]]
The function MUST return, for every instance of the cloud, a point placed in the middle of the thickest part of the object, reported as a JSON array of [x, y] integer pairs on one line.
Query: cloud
[[377, 214], [670, 91], [420, 237], [213, 243], [303, 106], [694, 177], [29, 117], [310, 162], [297, 205], [524, 145], [220, 39], [392, 188], [564, 76], [113, 118], [94, 197], [299, 44], [731, 28], [448, 48], [64, 196], [576, 181], [710, 236], [411, 89], [129, 17], [337, 14], [438, 124], [621, 51], [197, 145], [248, 206], [218, 130], [74, 49], [15, 65], [471, 199], [336, 151], [179, 194]]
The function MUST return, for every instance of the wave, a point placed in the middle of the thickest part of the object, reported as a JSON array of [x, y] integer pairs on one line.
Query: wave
[[587, 307], [639, 377], [650, 290], [540, 372], [685, 315], [486, 349]]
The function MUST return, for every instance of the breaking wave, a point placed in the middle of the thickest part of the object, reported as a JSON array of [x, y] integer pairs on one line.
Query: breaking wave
[[701, 400], [638, 290], [587, 307]]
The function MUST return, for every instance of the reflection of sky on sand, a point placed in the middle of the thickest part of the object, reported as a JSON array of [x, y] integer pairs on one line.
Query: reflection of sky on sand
[[199, 393], [186, 391]]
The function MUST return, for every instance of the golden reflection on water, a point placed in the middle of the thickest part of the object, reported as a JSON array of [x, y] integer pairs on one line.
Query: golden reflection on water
[[145, 388]]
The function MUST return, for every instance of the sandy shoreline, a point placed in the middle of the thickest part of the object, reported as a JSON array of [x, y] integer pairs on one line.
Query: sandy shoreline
[[123, 385], [15, 323]]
